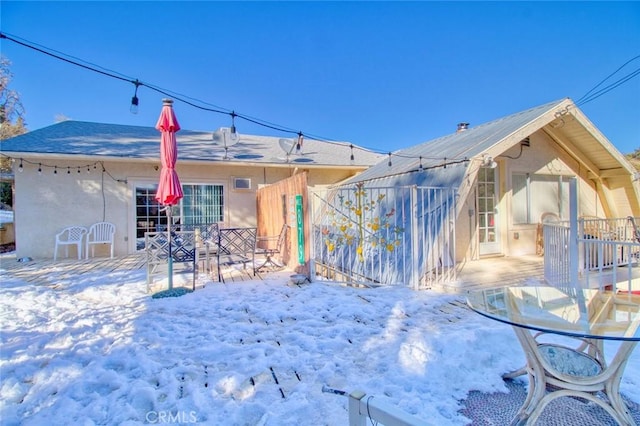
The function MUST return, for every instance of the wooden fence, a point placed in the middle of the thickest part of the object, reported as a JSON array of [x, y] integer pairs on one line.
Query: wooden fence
[[276, 206]]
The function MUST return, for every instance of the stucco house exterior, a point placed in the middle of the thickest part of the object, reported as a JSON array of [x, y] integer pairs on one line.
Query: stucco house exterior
[[79, 173], [500, 177], [421, 214], [509, 172]]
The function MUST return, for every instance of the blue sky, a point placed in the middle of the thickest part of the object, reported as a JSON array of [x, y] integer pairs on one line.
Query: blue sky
[[384, 75]]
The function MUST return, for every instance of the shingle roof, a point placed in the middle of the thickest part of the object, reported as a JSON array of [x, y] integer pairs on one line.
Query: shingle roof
[[70, 138]]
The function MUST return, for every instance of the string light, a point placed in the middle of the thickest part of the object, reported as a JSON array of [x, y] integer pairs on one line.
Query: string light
[[134, 99], [299, 143], [352, 158], [421, 168], [20, 168], [78, 169], [233, 122]]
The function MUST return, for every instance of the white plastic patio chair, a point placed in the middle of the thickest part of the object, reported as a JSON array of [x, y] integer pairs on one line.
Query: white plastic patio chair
[[100, 233], [70, 236]]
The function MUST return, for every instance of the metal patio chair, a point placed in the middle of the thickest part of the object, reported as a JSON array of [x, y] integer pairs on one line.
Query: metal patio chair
[[271, 246], [184, 255], [235, 246]]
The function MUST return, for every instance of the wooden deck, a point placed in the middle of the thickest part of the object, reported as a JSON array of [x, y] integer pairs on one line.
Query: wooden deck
[[497, 272], [47, 272], [38, 271], [488, 272]]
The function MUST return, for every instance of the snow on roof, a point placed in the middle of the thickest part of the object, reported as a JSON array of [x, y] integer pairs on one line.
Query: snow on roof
[[115, 140], [454, 147]]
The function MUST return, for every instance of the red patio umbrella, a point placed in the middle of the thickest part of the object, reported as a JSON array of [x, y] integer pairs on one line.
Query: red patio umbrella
[[169, 189]]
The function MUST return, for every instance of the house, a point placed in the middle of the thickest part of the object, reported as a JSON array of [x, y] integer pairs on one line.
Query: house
[[79, 173], [485, 190]]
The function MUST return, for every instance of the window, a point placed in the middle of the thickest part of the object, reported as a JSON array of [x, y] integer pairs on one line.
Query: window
[[534, 195], [200, 204], [148, 214]]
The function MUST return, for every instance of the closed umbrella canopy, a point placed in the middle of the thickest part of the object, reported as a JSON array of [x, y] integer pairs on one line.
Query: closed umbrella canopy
[[169, 189]]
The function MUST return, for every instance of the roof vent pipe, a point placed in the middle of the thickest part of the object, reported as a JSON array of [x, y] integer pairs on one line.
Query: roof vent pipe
[[462, 127]]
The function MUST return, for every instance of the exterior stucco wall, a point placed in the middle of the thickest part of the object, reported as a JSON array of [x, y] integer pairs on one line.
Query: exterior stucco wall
[[542, 157], [466, 236], [46, 203]]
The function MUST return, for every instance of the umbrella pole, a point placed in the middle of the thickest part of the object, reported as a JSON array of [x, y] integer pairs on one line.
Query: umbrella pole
[[170, 260]]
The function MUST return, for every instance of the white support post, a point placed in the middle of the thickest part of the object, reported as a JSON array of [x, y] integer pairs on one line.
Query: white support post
[[573, 245], [415, 276], [573, 232]]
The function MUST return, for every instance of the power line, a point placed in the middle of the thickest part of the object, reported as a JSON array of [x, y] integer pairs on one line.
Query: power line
[[588, 97], [610, 87], [196, 103], [177, 96]]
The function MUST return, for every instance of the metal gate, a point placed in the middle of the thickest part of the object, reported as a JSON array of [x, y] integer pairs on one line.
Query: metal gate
[[384, 235]]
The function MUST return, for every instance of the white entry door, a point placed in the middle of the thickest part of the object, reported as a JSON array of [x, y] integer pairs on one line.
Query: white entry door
[[488, 230]]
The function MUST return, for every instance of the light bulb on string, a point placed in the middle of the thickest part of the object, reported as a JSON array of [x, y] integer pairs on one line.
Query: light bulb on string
[[299, 143], [68, 170], [352, 158], [20, 168], [134, 99], [389, 160], [233, 135], [39, 168], [421, 168], [55, 170], [445, 162]]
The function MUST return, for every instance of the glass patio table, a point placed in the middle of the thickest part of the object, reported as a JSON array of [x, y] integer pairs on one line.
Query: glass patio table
[[562, 335]]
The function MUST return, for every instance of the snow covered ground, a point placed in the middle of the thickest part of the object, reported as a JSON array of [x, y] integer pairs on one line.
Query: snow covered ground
[[97, 349]]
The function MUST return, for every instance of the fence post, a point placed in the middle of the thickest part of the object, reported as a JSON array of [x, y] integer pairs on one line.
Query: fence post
[[415, 247], [355, 419]]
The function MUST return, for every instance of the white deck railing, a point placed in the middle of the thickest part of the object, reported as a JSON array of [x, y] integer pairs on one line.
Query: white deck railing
[[365, 408], [608, 254]]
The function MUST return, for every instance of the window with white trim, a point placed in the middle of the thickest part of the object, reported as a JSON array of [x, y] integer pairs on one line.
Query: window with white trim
[[533, 195]]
